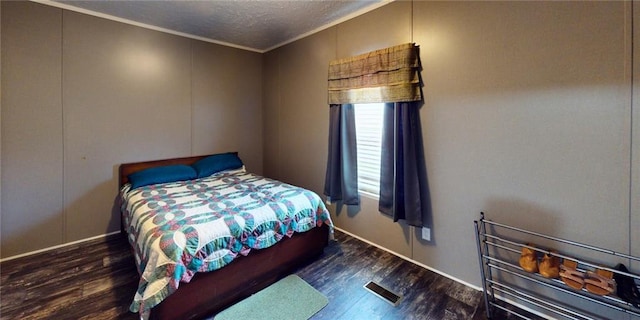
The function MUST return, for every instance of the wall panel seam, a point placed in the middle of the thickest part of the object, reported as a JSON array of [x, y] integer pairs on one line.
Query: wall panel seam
[[192, 104], [632, 170], [64, 196]]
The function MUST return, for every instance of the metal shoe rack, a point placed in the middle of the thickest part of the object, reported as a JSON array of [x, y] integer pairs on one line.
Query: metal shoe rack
[[495, 267]]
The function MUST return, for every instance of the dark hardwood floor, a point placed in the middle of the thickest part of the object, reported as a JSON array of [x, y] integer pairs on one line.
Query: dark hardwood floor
[[97, 280]]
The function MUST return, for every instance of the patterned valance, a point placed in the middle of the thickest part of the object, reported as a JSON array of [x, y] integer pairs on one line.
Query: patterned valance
[[386, 75]]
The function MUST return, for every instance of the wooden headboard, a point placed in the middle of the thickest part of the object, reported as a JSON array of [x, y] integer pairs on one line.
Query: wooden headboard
[[128, 168]]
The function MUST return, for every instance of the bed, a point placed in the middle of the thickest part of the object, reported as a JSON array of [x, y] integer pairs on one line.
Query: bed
[[206, 242]]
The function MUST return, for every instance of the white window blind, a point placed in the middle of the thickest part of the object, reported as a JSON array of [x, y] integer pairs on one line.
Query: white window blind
[[369, 140]]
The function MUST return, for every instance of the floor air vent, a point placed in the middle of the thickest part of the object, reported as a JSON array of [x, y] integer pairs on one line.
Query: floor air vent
[[384, 293]]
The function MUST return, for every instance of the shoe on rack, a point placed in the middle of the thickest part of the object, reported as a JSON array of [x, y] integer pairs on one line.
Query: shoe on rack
[[528, 260], [570, 275], [600, 282], [627, 289], [550, 265]]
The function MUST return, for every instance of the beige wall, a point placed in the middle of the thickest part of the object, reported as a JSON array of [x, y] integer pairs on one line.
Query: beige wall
[[31, 128], [527, 117], [80, 95], [227, 102]]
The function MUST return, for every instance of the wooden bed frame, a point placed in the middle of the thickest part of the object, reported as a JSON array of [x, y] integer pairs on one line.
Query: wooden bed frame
[[211, 292]]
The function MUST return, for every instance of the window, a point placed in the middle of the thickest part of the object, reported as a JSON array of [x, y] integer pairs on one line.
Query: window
[[368, 121]]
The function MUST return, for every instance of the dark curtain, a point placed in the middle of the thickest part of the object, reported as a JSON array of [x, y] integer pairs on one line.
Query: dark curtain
[[404, 192], [341, 180]]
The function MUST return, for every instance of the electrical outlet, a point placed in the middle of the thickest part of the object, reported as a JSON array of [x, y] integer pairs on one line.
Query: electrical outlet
[[426, 233]]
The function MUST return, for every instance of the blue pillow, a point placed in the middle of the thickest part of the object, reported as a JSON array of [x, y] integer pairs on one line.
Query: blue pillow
[[179, 172], [216, 163]]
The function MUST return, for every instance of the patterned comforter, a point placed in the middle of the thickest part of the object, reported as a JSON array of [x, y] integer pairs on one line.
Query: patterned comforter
[[180, 228]]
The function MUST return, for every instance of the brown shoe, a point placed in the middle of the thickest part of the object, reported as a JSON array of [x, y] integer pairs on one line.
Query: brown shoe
[[550, 266], [570, 275], [600, 282], [528, 260]]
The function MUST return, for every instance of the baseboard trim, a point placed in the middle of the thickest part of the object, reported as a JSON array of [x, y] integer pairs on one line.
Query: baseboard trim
[[411, 260], [102, 236]]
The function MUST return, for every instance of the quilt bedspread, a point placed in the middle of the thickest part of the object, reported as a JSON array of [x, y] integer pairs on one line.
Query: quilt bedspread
[[177, 229]]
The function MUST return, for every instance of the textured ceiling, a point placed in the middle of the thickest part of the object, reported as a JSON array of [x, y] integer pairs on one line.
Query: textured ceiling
[[257, 25]]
